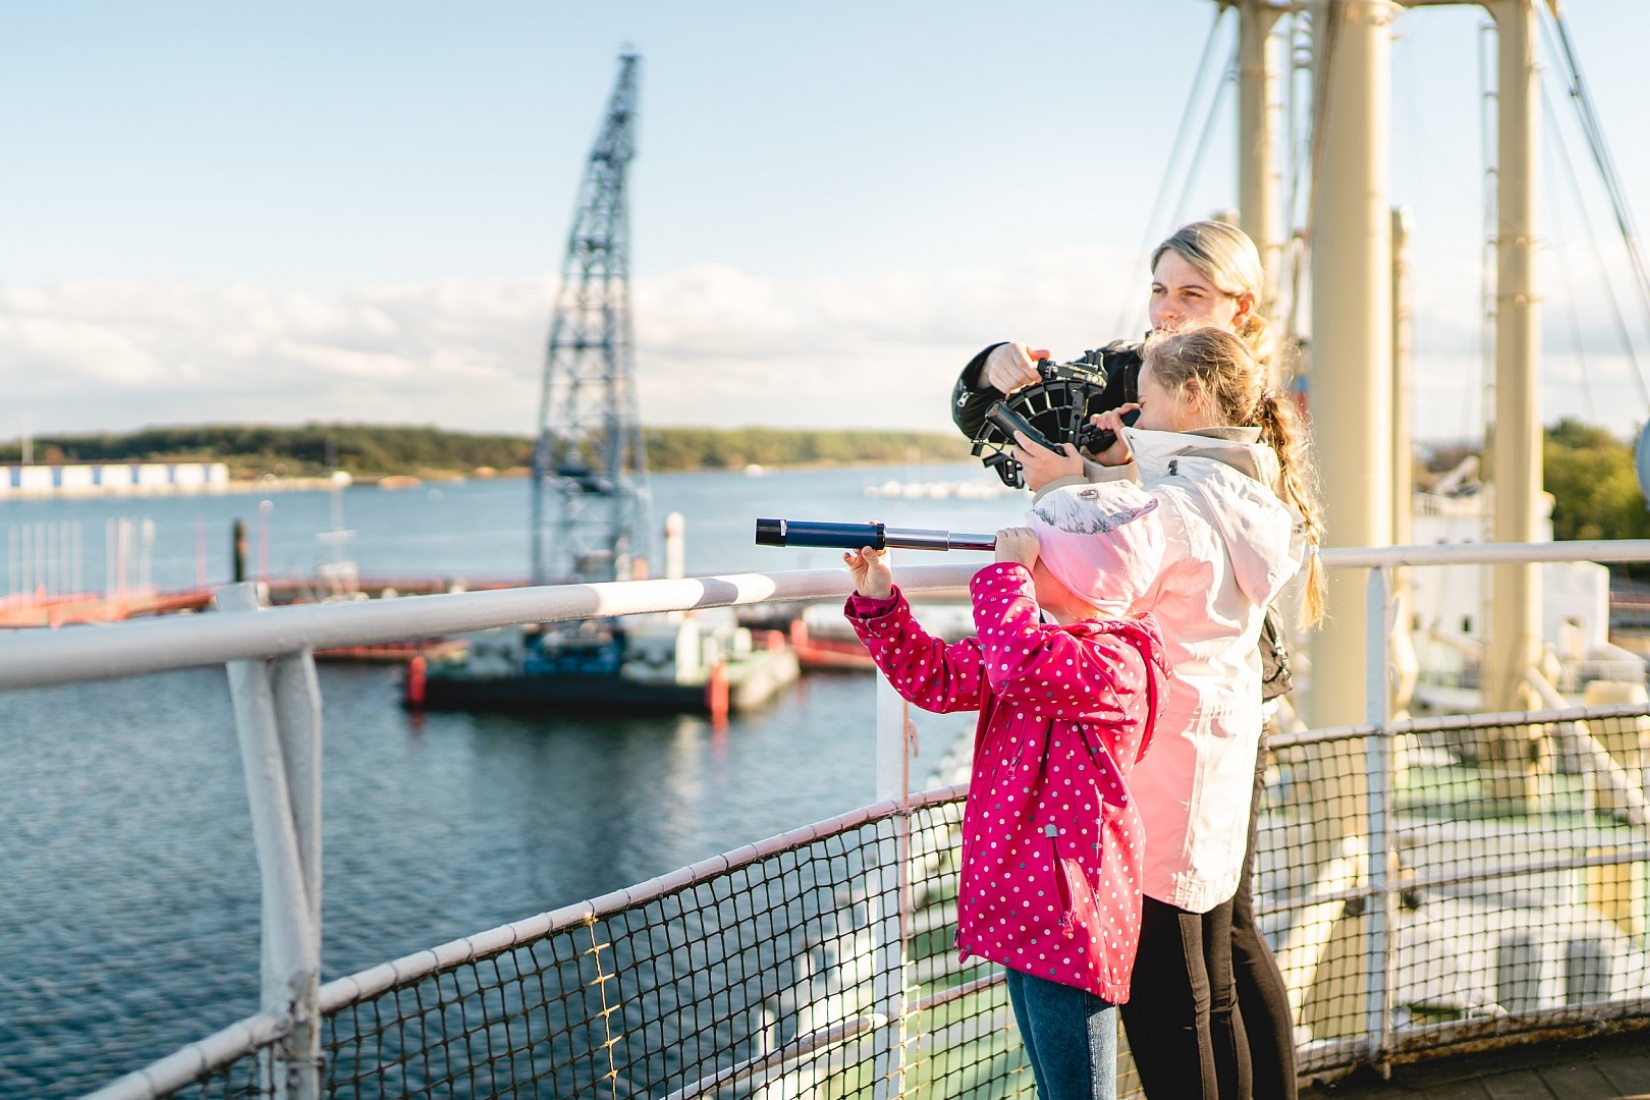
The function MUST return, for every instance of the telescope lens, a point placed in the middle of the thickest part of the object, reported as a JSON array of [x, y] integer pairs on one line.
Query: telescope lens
[[770, 532]]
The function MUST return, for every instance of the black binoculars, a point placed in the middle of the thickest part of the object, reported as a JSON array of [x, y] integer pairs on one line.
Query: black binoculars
[[852, 536], [1049, 412], [1088, 437]]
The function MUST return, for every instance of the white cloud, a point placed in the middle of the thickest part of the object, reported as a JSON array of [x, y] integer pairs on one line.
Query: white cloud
[[715, 346], [111, 355]]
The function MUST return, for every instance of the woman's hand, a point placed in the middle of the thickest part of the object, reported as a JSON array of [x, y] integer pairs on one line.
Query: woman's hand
[[1017, 544], [1118, 454], [1010, 366], [872, 577], [1041, 465]]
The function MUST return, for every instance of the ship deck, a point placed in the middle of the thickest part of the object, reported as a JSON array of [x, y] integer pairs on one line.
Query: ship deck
[[1423, 898], [1615, 1067]]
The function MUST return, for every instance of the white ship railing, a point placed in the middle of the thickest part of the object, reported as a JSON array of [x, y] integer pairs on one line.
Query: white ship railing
[[268, 655]]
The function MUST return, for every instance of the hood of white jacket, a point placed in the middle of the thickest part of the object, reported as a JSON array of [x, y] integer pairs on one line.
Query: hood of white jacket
[[1234, 473]]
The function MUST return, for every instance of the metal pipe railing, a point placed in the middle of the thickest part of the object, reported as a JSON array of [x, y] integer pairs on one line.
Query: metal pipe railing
[[35, 658]]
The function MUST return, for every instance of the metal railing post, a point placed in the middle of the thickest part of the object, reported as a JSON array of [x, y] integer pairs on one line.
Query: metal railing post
[[1382, 922], [278, 725], [887, 895]]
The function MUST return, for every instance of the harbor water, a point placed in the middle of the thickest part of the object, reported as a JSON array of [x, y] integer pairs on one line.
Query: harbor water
[[129, 914]]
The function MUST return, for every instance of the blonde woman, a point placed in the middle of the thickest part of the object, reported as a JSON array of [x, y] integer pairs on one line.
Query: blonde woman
[[1207, 274]]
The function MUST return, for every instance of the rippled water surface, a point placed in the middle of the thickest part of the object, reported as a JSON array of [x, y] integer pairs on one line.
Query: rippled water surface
[[129, 906]]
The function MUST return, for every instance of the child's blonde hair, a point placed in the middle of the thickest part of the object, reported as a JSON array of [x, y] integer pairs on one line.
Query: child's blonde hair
[[1233, 379]]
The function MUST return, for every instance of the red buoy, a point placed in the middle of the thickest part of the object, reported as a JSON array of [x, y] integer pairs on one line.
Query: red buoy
[[716, 692], [415, 682]]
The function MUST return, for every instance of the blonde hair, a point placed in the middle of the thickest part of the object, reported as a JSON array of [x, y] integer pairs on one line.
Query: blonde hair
[[1233, 379], [1224, 255]]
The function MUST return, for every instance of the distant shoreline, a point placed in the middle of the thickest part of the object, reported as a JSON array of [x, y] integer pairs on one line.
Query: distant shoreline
[[370, 454], [271, 483]]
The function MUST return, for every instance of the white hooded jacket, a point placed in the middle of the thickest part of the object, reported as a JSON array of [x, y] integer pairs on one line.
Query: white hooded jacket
[[1230, 547]]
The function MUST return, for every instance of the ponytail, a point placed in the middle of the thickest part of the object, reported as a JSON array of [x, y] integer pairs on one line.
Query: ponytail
[[1282, 430]]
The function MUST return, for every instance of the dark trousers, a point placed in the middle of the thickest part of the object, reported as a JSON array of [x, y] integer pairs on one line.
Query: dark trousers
[[1192, 973], [1184, 1028], [1262, 996]]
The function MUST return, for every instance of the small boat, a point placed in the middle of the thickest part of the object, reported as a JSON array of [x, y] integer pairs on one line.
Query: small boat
[[647, 664], [393, 653], [818, 651]]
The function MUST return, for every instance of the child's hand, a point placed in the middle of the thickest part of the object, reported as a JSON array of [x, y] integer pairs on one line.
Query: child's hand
[[1017, 544], [872, 577], [1118, 453], [1041, 465]]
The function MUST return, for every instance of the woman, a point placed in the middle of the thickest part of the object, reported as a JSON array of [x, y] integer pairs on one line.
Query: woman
[[1207, 273]]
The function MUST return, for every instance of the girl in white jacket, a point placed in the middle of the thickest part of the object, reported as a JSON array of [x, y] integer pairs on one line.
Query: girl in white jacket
[[1225, 458]]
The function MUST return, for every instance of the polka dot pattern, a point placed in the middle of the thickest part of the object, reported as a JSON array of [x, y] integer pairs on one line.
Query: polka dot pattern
[[1052, 841]]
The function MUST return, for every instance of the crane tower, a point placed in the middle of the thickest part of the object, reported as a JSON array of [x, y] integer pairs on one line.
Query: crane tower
[[590, 492]]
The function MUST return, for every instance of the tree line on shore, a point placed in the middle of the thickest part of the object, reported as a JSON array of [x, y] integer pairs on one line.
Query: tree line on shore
[[1589, 471], [1594, 483], [371, 450]]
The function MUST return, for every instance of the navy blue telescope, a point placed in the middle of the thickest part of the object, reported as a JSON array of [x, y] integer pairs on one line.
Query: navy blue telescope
[[878, 536]]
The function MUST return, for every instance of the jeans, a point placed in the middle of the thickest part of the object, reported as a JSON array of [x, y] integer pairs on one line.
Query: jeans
[[1070, 1038]]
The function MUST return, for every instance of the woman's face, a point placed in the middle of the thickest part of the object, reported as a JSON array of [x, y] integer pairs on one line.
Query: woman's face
[[1180, 294], [1165, 410]]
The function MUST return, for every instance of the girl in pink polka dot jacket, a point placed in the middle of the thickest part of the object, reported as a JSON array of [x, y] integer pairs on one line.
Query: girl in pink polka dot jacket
[[1051, 841]]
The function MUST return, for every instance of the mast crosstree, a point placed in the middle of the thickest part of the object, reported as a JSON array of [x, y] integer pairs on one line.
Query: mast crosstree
[[590, 491]]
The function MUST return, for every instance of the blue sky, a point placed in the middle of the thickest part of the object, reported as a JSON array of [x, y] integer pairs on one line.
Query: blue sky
[[308, 211]]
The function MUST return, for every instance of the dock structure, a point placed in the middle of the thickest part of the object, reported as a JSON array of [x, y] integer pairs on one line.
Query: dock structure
[[112, 479]]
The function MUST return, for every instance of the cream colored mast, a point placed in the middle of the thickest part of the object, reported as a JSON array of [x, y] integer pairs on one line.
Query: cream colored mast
[[1512, 643], [1351, 348]]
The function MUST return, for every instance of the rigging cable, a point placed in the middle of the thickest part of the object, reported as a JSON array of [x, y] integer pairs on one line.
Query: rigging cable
[[1299, 45], [1333, 13], [1616, 315], [1228, 79], [1126, 310], [1559, 248], [1599, 149]]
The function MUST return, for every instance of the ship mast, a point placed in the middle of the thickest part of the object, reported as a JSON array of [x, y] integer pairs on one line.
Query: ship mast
[[590, 493]]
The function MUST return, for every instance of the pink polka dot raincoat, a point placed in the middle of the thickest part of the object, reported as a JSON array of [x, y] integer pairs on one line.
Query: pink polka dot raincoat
[[1051, 837]]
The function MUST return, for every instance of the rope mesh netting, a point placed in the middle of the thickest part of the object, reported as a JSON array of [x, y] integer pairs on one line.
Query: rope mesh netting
[[776, 975], [1517, 898], [1517, 902]]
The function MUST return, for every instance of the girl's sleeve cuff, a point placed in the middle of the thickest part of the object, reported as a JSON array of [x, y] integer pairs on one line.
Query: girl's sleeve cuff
[[868, 607]]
